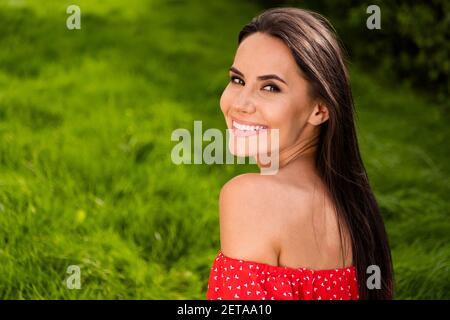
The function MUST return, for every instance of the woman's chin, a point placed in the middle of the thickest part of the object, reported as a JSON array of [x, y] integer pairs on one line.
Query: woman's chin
[[243, 151], [247, 146]]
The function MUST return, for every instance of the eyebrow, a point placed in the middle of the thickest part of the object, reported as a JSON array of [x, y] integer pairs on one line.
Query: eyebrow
[[264, 77]]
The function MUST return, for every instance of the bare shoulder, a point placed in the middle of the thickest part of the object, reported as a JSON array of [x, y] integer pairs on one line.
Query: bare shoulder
[[245, 190], [253, 193], [277, 222], [244, 230], [253, 208]]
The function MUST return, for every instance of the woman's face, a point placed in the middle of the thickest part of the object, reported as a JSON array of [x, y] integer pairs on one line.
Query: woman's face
[[266, 90]]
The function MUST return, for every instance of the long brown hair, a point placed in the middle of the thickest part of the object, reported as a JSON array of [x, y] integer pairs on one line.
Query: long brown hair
[[319, 55]]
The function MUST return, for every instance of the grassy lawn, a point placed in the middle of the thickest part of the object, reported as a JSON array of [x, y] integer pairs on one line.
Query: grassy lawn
[[86, 176]]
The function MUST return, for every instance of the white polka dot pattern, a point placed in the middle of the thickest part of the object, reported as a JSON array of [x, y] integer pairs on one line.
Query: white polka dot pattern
[[235, 279]]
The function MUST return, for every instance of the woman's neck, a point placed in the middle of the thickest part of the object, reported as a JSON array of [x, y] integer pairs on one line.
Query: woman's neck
[[299, 157]]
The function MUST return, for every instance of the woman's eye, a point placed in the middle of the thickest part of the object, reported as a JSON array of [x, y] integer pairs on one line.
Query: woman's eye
[[272, 88], [236, 80]]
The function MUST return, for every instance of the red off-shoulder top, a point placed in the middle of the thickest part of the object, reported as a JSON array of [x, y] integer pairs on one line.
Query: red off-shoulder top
[[235, 279]]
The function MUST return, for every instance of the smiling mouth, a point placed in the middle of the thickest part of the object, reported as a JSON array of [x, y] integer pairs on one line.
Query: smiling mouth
[[244, 130]]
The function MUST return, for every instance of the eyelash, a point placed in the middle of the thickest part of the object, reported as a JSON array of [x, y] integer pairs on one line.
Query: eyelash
[[275, 87]]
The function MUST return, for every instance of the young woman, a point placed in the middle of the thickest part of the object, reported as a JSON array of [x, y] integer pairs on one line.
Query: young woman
[[311, 230]]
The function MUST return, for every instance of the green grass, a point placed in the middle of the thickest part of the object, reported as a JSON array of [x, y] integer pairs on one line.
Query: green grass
[[85, 171]]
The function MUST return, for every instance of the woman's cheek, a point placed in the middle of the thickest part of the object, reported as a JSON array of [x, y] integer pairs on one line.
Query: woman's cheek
[[224, 101], [279, 117]]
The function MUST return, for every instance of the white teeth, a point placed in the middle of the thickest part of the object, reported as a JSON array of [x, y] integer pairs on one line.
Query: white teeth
[[246, 127]]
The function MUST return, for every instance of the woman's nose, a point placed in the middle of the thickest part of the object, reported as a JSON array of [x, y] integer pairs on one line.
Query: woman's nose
[[244, 103]]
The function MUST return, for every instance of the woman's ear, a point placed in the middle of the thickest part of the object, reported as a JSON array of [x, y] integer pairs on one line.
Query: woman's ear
[[319, 114]]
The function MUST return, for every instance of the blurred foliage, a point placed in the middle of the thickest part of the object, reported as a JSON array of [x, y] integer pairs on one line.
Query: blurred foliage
[[412, 46]]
